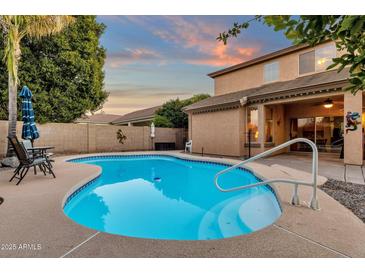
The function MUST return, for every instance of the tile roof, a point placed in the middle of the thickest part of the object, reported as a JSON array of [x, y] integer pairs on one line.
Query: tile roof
[[146, 113], [300, 83], [99, 118]]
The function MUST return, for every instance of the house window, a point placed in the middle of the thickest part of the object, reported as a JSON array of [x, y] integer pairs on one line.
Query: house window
[[269, 124], [271, 72], [316, 60], [324, 57], [325, 132], [307, 62], [253, 123]]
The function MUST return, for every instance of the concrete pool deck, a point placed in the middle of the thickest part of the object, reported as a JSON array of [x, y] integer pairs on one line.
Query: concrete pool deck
[[32, 221], [329, 166]]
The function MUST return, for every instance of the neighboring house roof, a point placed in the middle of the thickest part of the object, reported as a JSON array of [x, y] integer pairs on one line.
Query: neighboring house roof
[[323, 81], [257, 60], [98, 118], [139, 115]]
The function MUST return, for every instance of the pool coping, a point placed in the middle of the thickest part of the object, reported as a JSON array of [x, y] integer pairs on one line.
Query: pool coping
[[33, 211]]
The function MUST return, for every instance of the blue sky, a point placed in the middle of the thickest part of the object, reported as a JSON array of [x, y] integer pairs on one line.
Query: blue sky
[[151, 59]]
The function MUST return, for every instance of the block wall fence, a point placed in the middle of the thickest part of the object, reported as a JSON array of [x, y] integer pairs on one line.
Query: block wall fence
[[70, 138]]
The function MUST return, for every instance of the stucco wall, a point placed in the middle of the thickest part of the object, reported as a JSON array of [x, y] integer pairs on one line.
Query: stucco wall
[[223, 132], [238, 80], [71, 138], [252, 76], [218, 132]]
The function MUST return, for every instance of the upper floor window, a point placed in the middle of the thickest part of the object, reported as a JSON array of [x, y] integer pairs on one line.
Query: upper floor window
[[271, 72], [307, 62], [316, 60], [324, 56]]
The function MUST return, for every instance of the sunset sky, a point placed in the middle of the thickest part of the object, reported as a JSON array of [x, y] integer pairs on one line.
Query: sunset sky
[[151, 59]]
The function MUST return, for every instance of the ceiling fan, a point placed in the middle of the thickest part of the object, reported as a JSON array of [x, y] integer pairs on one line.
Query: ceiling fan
[[329, 103]]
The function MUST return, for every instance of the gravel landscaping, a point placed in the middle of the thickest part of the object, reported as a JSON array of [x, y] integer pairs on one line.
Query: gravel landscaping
[[350, 195]]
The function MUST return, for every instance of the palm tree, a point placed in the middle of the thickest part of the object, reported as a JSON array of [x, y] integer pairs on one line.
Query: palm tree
[[15, 28]]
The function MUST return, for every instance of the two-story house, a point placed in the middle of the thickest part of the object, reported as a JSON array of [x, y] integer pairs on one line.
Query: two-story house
[[276, 97]]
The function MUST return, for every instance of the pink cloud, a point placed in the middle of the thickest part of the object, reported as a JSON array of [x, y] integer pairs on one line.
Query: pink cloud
[[187, 33], [220, 57], [129, 56], [201, 35], [248, 52]]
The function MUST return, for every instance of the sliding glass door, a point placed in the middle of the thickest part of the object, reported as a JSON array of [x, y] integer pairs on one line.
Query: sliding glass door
[[326, 132]]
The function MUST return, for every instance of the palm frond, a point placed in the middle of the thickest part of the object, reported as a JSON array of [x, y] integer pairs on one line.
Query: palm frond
[[15, 27], [37, 26]]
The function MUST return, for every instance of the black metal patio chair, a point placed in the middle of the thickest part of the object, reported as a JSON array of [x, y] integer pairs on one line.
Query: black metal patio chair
[[26, 161], [38, 152]]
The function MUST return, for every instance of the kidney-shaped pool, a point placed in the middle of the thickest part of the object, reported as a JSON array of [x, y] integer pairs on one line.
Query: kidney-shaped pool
[[165, 197]]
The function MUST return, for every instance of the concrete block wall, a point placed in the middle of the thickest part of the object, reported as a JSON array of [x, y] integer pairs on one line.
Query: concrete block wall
[[69, 138]]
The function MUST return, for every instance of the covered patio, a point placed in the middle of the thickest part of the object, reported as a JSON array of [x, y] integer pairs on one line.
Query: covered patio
[[322, 118]]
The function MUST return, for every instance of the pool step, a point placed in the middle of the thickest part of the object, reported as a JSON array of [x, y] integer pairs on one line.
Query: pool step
[[229, 221], [259, 212], [223, 219]]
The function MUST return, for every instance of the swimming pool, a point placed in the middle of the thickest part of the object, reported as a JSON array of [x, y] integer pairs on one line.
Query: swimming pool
[[165, 197]]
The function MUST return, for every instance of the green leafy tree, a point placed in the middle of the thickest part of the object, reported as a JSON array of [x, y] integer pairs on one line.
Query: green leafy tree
[[64, 72], [347, 31], [16, 28], [171, 113], [162, 121]]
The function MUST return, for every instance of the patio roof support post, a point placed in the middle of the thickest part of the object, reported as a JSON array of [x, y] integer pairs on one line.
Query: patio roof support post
[[353, 136], [261, 126]]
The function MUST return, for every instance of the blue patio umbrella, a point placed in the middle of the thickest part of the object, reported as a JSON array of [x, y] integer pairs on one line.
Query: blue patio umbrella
[[29, 130]]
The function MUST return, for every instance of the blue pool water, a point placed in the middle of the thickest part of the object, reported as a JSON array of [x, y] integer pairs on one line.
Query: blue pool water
[[163, 197]]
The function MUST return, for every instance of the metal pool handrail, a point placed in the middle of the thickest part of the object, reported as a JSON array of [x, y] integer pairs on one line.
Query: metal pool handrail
[[295, 199]]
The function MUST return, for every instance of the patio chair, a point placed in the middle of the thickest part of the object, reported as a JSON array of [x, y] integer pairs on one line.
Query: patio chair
[[26, 161], [34, 154], [37, 153], [189, 146]]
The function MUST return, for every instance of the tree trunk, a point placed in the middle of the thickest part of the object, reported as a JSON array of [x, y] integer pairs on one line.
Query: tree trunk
[[12, 111]]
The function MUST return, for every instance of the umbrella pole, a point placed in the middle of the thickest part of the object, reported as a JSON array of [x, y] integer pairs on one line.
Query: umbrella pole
[[35, 168]]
